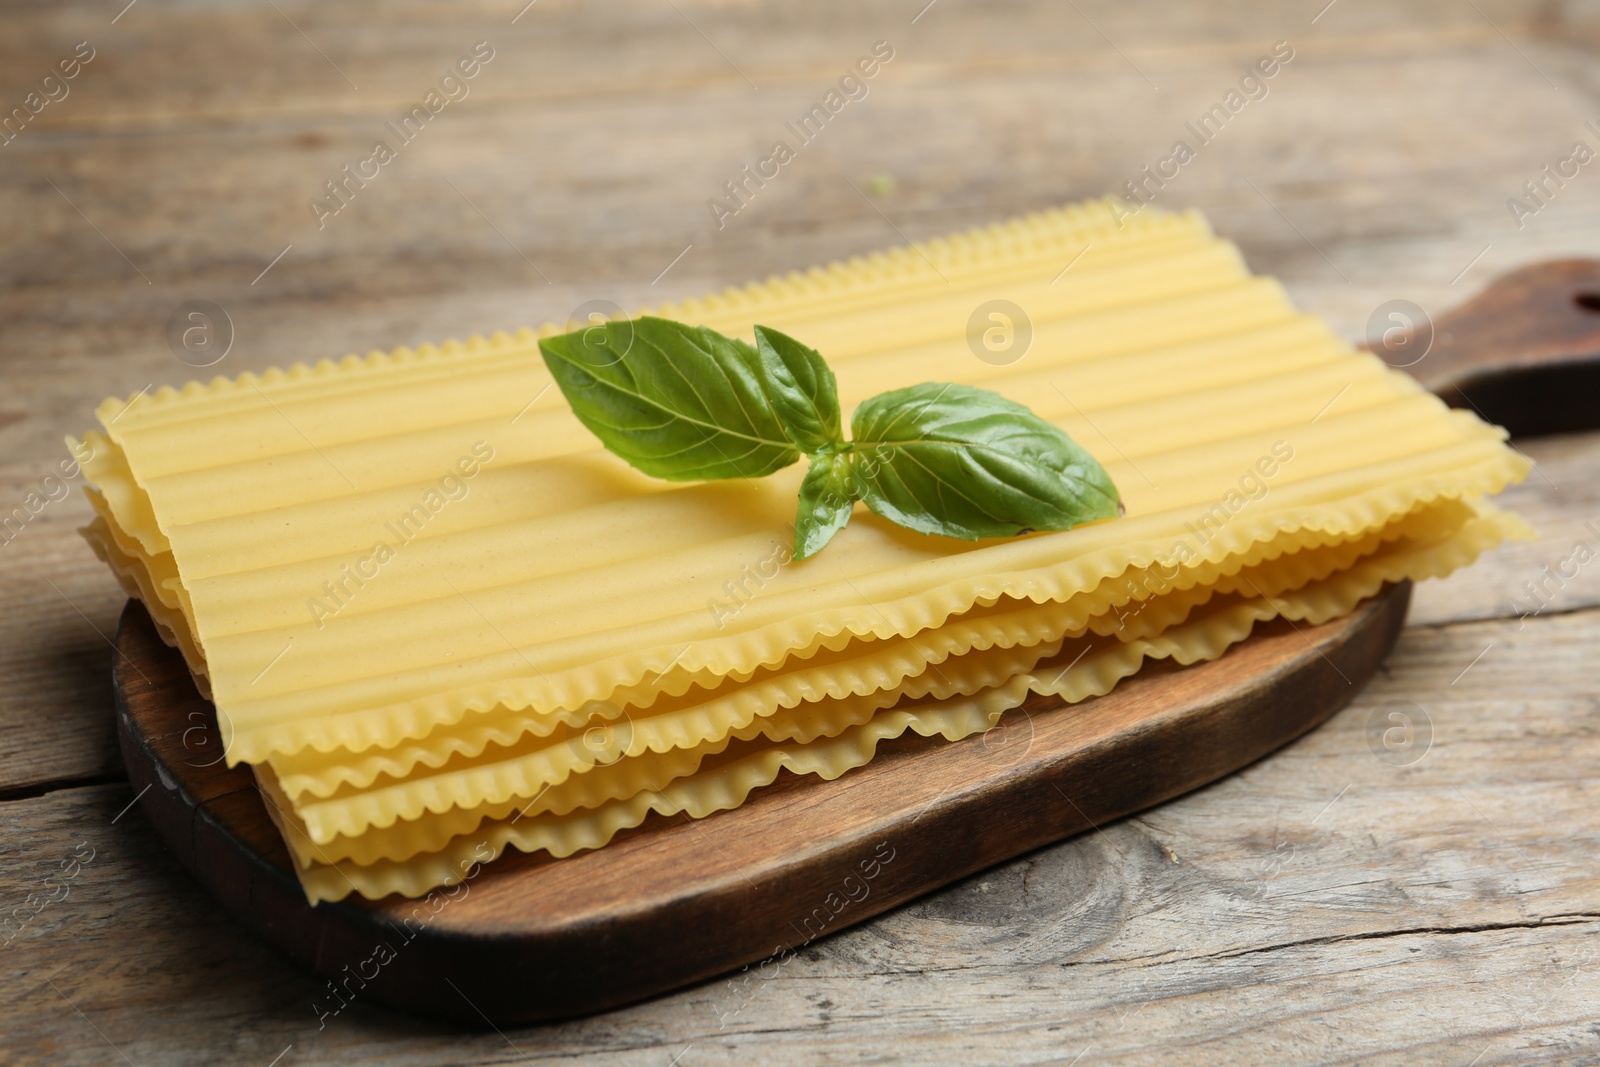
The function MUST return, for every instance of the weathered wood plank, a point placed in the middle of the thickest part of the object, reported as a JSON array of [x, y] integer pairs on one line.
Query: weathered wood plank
[[1384, 157], [55, 692]]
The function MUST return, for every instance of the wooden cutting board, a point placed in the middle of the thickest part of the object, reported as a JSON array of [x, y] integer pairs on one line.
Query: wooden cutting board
[[675, 901]]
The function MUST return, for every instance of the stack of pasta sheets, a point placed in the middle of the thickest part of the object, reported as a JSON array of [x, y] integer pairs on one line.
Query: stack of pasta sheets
[[440, 621]]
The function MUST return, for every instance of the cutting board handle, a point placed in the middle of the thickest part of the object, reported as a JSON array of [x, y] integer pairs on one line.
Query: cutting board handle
[[1525, 352]]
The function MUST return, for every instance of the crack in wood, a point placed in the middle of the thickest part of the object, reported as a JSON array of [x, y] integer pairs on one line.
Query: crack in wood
[[1564, 919], [35, 790]]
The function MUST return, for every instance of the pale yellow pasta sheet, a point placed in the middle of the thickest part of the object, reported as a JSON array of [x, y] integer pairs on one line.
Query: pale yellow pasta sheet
[[552, 575]]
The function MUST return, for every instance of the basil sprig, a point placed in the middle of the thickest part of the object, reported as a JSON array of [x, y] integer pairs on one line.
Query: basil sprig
[[686, 403]]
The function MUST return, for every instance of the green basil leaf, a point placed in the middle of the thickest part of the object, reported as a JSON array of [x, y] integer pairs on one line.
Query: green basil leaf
[[826, 498], [965, 462], [802, 390], [677, 402]]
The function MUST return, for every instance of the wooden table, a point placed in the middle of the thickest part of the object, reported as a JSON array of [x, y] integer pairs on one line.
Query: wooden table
[[1338, 902]]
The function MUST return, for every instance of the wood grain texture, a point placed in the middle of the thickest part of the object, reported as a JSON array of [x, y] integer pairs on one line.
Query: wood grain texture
[[1405, 928]]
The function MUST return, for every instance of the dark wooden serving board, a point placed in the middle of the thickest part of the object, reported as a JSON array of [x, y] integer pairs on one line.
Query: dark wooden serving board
[[675, 901]]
